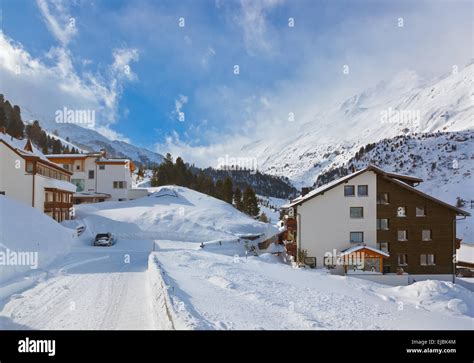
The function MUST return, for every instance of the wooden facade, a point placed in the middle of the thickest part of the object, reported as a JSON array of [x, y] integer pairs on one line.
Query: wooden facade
[[439, 219], [58, 204]]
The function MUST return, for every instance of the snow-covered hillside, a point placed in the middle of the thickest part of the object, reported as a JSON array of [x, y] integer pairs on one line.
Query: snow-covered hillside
[[444, 160], [175, 213], [90, 140], [404, 105], [28, 230], [271, 207]]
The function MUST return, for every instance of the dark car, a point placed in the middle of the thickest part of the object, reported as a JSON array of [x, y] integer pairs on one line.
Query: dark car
[[104, 239]]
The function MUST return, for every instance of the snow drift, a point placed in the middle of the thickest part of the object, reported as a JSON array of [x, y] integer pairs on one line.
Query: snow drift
[[27, 232], [173, 213], [434, 295]]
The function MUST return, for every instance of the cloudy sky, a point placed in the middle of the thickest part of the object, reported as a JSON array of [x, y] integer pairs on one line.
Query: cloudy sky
[[201, 78]]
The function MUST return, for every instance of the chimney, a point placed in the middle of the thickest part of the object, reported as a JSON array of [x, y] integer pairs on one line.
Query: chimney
[[103, 152], [304, 191]]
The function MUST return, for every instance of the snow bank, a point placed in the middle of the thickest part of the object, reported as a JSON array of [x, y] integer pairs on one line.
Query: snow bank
[[173, 213], [434, 295], [24, 229], [160, 297]]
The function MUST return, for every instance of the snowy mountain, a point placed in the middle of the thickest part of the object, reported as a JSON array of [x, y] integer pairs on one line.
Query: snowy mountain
[[444, 160], [404, 105], [88, 139]]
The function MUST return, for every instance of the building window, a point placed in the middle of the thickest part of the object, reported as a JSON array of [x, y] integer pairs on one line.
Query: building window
[[91, 174], [119, 185], [362, 190], [402, 235], [401, 212], [78, 167], [382, 224], [427, 259], [66, 166], [382, 198], [402, 259], [349, 191], [102, 167], [383, 246], [29, 166], [2, 193], [420, 211], [357, 237], [426, 235], [357, 212], [79, 183]]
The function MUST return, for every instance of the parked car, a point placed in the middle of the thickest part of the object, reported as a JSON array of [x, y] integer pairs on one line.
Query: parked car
[[104, 239]]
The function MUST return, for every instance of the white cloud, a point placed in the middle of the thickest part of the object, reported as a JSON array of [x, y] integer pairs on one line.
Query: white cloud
[[179, 103], [111, 134], [210, 52], [121, 65], [41, 89], [58, 20], [375, 50], [252, 20]]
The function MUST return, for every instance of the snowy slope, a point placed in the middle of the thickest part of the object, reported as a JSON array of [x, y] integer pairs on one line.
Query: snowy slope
[[43, 236], [444, 161], [175, 213], [271, 207], [90, 140], [338, 131]]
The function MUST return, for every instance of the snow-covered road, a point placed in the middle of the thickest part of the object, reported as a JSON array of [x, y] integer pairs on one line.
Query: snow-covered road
[[93, 288]]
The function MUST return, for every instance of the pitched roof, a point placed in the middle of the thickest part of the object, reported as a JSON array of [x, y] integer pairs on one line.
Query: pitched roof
[[353, 249], [25, 149], [398, 179]]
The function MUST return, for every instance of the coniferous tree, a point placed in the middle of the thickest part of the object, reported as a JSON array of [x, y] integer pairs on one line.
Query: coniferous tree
[[57, 147], [238, 199], [219, 190], [250, 202], [227, 190], [34, 132], [3, 117], [16, 126]]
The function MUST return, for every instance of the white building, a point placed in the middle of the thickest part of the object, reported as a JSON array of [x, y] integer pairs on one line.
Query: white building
[[381, 215], [26, 175], [99, 178]]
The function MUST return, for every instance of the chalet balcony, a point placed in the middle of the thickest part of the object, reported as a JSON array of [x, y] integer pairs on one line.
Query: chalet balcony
[[54, 205]]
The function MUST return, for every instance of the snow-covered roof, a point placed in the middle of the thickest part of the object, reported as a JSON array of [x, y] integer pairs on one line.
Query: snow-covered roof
[[91, 195], [61, 184], [321, 189], [361, 247], [19, 146], [78, 156], [106, 160], [165, 192], [399, 179]]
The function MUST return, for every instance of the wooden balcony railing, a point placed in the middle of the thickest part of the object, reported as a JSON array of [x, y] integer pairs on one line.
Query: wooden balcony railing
[[52, 205]]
